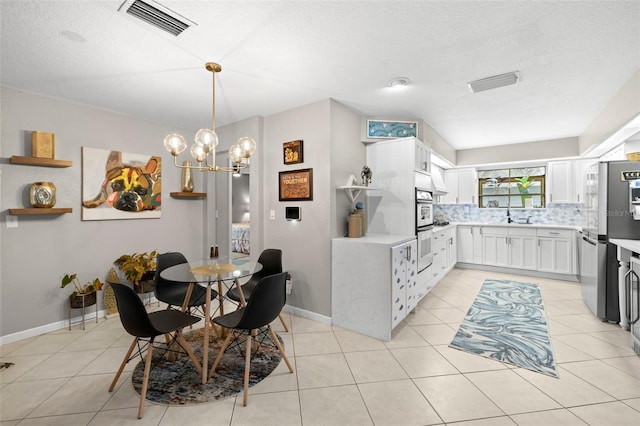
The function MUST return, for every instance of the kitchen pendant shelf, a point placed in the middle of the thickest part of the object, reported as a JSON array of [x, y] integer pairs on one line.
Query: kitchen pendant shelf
[[36, 161], [39, 211], [188, 195], [353, 190]]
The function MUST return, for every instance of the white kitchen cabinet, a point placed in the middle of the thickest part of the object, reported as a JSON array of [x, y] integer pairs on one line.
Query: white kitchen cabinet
[[556, 251], [373, 282], [452, 249], [422, 158], [509, 247], [469, 246], [392, 209], [523, 248], [580, 168], [560, 182], [444, 252], [462, 185], [404, 270], [495, 250]]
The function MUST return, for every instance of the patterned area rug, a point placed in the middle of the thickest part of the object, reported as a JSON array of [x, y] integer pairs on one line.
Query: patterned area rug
[[507, 322], [178, 383]]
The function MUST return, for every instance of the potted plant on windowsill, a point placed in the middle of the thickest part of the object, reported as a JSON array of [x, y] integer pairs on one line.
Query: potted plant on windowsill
[[139, 269], [83, 294]]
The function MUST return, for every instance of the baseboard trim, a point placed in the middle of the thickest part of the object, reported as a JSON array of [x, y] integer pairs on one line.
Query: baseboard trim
[[515, 271], [308, 314]]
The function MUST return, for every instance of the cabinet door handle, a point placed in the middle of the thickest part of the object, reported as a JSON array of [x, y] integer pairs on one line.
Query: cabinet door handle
[[506, 240]]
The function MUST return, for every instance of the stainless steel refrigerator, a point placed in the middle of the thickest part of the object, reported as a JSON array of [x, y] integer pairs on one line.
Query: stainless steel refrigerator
[[606, 215]]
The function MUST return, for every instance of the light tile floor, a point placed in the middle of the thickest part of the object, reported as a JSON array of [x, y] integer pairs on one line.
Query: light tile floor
[[342, 378]]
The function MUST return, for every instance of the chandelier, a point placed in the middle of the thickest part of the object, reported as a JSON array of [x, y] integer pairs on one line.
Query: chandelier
[[203, 150]]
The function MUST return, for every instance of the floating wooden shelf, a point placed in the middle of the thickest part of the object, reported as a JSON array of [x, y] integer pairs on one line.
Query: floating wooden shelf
[[188, 194], [34, 211], [35, 161]]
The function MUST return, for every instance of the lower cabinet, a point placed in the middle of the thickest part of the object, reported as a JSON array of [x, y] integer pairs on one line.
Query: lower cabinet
[[445, 253], [556, 251], [373, 283], [550, 250]]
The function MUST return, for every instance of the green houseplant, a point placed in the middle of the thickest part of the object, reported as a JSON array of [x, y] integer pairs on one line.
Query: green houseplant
[[83, 294], [139, 269]]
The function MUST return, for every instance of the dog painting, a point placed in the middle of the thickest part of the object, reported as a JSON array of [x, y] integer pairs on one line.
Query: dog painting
[[117, 185]]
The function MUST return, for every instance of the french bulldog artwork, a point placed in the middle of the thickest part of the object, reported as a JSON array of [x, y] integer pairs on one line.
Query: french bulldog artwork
[[117, 185]]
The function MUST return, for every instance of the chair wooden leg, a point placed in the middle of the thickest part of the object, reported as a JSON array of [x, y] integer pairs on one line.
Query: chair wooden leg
[[280, 348], [145, 379], [247, 367], [180, 338], [226, 343], [284, 324], [124, 362]]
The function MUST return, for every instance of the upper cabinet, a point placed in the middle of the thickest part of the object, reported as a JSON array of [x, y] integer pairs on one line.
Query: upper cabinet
[[462, 185], [560, 182], [422, 158]]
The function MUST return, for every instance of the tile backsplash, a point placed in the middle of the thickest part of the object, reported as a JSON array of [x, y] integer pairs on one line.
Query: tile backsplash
[[569, 214]]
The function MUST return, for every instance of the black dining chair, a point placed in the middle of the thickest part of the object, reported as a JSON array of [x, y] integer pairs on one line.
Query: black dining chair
[[172, 292], [145, 327], [253, 321], [271, 261]]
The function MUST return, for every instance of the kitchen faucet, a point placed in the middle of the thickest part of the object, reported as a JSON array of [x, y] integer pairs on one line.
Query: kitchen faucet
[[509, 220]]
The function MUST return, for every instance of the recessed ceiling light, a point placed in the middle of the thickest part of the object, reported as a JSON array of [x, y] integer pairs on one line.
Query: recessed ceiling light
[[494, 82], [399, 82]]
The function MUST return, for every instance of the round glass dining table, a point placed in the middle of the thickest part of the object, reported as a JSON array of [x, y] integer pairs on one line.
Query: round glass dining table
[[206, 275]]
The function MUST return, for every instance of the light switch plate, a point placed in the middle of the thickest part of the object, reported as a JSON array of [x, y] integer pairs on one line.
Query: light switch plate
[[12, 221]]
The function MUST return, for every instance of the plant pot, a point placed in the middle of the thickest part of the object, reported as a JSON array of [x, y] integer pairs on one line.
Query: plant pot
[[80, 300], [147, 283]]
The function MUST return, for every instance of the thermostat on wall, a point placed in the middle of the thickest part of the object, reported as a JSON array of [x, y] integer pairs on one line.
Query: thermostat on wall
[[292, 213]]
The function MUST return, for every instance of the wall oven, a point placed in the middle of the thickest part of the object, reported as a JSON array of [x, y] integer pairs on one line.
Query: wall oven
[[424, 228]]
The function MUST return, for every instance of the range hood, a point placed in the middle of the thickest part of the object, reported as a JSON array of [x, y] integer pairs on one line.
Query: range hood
[[439, 187]]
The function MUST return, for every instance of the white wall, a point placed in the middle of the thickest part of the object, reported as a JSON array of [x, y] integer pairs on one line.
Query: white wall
[[624, 105], [42, 249], [528, 151]]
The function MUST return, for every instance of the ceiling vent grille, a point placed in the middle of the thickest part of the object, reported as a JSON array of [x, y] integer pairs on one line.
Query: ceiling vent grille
[[494, 82], [156, 15]]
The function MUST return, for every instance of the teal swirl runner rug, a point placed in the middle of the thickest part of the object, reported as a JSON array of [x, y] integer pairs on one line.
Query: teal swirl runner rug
[[507, 323]]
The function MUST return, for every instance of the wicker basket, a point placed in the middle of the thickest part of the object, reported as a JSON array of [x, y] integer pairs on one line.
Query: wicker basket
[[633, 156]]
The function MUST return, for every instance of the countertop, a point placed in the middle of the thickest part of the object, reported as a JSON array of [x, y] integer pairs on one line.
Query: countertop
[[631, 245], [516, 225], [389, 239]]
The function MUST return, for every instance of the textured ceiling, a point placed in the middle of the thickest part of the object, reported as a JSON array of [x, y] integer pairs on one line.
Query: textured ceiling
[[572, 56]]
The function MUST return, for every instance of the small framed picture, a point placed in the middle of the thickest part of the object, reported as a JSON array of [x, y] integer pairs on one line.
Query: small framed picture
[[292, 152], [296, 185]]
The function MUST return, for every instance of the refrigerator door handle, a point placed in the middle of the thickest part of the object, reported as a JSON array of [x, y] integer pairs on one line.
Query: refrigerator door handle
[[630, 304], [627, 294]]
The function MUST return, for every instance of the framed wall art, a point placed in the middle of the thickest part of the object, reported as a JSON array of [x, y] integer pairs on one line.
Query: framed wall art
[[120, 185], [383, 129], [296, 185], [292, 152]]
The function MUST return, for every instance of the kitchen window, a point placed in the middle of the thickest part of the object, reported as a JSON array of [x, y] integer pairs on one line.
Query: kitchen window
[[512, 188]]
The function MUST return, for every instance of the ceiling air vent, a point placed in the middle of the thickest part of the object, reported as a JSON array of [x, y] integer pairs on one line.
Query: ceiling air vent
[[494, 82], [157, 15]]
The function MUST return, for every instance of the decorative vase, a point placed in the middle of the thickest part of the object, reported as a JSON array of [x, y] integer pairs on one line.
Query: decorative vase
[[187, 179], [42, 194]]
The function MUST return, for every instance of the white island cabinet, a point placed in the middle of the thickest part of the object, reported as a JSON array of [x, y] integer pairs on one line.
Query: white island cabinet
[[373, 282]]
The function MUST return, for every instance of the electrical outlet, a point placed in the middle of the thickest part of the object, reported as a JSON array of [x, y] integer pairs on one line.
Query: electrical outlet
[[272, 215]]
